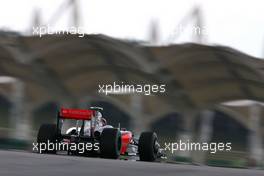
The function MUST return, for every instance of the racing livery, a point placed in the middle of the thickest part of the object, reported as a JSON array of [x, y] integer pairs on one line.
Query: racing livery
[[83, 126]]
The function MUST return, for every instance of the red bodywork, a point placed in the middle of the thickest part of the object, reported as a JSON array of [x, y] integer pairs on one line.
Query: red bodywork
[[126, 139], [78, 114], [81, 114]]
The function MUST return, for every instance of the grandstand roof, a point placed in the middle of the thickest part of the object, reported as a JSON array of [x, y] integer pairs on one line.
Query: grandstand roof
[[67, 67]]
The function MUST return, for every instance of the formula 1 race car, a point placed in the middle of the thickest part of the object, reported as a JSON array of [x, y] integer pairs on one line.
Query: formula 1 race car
[[87, 127]]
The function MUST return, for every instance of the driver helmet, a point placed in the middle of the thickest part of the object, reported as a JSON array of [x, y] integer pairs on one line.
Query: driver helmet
[[99, 115]]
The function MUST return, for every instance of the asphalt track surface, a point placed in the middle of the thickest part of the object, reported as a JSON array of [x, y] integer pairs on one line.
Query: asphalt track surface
[[31, 164]]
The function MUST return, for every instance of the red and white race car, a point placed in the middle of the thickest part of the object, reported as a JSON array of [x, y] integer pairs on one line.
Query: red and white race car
[[87, 127]]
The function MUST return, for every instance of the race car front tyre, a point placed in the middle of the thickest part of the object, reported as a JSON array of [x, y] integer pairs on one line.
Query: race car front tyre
[[47, 136], [110, 143], [147, 146]]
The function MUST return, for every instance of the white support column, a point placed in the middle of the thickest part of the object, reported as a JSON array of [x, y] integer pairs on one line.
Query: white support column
[[255, 139], [138, 122], [19, 113], [205, 134], [186, 135], [206, 130]]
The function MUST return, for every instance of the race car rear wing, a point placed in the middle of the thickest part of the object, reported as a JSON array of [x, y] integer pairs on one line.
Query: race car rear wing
[[77, 114]]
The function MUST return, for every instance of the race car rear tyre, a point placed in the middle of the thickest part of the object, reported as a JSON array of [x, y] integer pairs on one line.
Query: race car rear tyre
[[47, 135], [110, 143], [147, 147]]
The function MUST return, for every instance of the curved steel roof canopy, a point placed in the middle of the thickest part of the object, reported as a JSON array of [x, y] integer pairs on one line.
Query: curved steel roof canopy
[[68, 67]]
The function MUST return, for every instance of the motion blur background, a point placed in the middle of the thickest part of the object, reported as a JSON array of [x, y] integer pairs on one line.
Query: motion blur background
[[208, 53]]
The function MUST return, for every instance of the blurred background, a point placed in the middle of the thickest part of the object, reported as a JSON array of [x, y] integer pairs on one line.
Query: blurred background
[[209, 55]]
